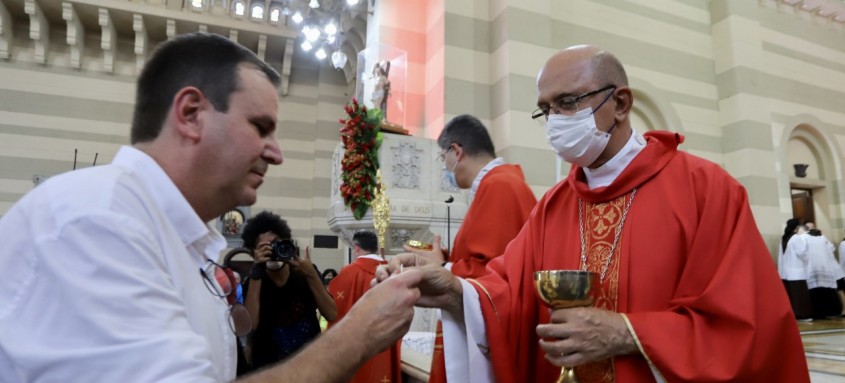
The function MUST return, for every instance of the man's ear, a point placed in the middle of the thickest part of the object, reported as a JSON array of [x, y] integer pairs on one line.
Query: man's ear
[[459, 151], [624, 102], [187, 105]]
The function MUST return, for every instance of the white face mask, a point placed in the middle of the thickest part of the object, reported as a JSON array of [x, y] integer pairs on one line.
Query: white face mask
[[575, 138]]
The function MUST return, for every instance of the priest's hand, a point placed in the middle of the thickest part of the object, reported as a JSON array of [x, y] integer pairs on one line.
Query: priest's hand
[[438, 287], [435, 255], [584, 334]]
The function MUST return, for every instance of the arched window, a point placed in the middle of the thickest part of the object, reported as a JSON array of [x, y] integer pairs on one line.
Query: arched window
[[275, 14], [239, 7], [199, 4], [257, 10]]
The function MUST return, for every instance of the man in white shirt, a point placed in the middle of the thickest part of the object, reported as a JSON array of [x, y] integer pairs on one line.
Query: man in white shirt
[[109, 268]]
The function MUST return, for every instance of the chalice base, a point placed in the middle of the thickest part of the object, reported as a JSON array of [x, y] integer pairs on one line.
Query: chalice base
[[567, 375]]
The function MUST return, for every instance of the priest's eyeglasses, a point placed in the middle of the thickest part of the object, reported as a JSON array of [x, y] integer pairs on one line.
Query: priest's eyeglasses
[[442, 155], [221, 282], [566, 104]]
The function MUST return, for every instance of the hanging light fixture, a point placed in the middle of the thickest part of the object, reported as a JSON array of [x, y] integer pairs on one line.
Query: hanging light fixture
[[352, 2], [321, 53], [297, 17], [330, 28], [306, 46], [314, 4], [339, 59]]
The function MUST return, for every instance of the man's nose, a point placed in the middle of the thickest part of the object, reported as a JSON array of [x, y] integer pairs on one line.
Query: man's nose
[[273, 152]]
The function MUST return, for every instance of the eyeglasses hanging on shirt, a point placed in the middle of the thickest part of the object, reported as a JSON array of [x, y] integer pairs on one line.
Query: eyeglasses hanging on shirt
[[224, 286]]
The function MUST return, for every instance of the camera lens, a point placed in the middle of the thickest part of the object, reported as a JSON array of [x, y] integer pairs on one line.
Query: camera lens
[[284, 250]]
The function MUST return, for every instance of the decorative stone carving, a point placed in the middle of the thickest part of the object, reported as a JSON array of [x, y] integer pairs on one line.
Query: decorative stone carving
[[39, 30], [405, 161], [401, 235], [406, 171]]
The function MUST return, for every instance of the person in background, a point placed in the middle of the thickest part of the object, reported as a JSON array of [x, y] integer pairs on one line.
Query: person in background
[[794, 271], [349, 286], [328, 275], [823, 274], [111, 271], [499, 203], [667, 298], [283, 293]]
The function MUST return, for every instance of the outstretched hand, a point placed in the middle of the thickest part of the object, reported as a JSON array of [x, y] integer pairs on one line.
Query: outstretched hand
[[438, 287], [435, 255]]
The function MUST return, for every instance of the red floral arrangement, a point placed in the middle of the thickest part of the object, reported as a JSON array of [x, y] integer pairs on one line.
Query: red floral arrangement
[[361, 137]]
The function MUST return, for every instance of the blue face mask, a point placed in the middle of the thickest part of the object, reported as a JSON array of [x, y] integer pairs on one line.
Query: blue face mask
[[450, 176]]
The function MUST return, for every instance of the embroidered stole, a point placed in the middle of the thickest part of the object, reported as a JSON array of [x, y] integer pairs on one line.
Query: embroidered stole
[[601, 221]]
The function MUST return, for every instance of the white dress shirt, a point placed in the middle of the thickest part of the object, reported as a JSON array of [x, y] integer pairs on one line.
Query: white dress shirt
[[102, 284]]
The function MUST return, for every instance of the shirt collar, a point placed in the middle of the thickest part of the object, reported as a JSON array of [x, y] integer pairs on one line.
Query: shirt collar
[[605, 175], [483, 172], [170, 201], [372, 256]]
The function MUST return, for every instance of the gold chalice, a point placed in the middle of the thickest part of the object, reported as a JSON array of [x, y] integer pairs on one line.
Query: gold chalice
[[561, 289]]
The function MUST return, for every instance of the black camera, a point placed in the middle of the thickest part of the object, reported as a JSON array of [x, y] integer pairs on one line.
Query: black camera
[[283, 250]]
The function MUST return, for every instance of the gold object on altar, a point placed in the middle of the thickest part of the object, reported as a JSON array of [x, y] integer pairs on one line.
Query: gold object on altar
[[381, 211], [419, 245], [561, 289]]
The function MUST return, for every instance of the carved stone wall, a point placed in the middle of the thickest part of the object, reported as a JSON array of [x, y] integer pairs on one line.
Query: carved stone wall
[[415, 185]]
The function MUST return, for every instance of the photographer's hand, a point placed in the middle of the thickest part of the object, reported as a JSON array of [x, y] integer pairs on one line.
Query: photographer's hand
[[325, 302], [262, 252], [304, 266]]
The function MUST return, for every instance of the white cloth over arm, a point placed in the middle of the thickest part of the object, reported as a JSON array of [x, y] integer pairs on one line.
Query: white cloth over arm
[[465, 346]]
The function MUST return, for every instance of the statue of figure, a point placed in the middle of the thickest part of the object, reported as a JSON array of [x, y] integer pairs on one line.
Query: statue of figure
[[381, 211], [382, 89]]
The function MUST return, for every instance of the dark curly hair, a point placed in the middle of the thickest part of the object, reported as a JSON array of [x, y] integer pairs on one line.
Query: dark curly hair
[[261, 223]]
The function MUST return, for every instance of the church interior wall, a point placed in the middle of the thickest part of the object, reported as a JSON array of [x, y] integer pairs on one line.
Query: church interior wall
[[685, 60]]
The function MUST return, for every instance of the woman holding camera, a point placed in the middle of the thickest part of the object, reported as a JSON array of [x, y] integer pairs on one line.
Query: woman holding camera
[[282, 292]]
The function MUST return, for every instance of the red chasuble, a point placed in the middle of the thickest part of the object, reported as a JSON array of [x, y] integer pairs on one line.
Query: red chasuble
[[501, 206], [690, 271], [349, 285]]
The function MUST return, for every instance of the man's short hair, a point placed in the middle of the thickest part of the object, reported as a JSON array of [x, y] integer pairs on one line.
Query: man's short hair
[[262, 223], [468, 132], [366, 240], [206, 61]]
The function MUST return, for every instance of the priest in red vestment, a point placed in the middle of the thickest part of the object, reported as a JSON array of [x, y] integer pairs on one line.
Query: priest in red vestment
[[500, 202], [688, 289], [352, 282]]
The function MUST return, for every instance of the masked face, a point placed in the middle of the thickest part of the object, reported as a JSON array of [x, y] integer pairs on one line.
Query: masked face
[[575, 138]]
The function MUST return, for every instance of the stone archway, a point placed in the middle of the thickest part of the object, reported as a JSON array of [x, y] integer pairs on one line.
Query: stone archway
[[806, 144]]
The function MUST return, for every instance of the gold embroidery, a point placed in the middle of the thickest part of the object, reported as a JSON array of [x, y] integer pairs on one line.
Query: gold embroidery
[[602, 220], [490, 298]]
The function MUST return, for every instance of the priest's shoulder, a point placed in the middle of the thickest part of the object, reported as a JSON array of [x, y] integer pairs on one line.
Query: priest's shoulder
[[507, 172], [702, 170]]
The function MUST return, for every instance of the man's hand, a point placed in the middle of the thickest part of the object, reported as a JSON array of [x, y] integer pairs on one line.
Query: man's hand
[[438, 287], [584, 334], [384, 313], [262, 252], [435, 255], [304, 266]]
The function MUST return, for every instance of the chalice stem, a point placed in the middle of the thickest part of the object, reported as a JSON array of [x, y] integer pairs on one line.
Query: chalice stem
[[567, 375]]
